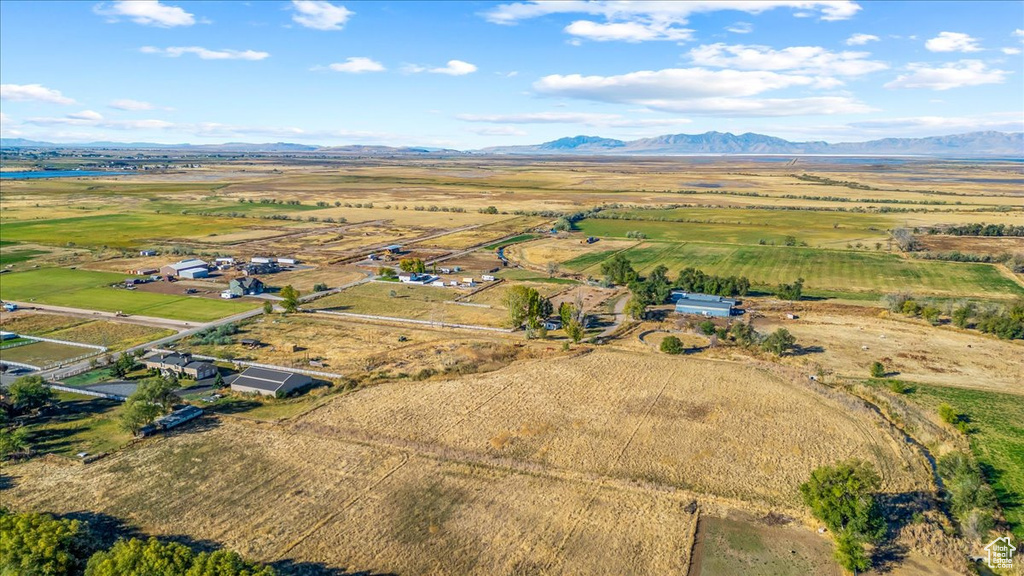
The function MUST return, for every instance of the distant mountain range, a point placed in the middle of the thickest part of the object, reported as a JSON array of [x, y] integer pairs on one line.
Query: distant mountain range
[[970, 144]]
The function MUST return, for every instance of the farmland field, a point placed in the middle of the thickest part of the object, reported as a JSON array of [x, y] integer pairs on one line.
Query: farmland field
[[410, 301], [846, 270], [44, 353], [91, 290]]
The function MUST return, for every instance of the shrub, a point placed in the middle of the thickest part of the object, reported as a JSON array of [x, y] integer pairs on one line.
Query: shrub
[[707, 327], [671, 345], [877, 370]]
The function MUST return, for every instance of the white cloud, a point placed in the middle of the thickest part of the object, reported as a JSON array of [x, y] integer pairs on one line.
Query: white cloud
[[453, 68], [146, 12], [801, 59], [1018, 33], [861, 39], [320, 15], [589, 119], [132, 105], [205, 53], [947, 76], [644, 21], [357, 65], [701, 91], [1011, 51], [498, 131], [32, 93], [740, 28], [627, 31], [952, 42], [670, 83], [86, 115], [1003, 121]]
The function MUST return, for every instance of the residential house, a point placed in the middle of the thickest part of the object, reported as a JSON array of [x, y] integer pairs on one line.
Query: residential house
[[180, 364], [246, 286]]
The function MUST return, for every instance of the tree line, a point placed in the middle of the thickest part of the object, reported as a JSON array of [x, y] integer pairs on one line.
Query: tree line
[[44, 545], [979, 229]]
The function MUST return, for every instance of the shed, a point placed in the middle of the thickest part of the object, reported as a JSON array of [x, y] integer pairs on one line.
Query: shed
[[269, 382], [260, 260], [177, 268], [193, 273], [393, 249], [289, 261], [702, 304]]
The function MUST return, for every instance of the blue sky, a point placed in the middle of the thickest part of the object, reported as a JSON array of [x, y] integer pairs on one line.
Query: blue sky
[[476, 74]]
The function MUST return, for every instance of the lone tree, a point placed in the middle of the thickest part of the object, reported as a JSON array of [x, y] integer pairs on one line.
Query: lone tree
[[13, 441], [412, 265], [791, 291], [29, 393], [843, 497], [268, 308], [290, 301], [672, 345], [778, 342], [153, 397], [124, 364]]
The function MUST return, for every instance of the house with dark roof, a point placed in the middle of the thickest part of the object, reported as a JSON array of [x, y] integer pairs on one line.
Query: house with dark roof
[[180, 364], [268, 382], [246, 286]]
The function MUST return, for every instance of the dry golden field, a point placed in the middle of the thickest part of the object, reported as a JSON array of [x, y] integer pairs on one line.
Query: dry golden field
[[917, 351]]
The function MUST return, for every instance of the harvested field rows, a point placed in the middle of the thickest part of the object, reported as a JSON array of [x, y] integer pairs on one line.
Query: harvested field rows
[[737, 433], [322, 503]]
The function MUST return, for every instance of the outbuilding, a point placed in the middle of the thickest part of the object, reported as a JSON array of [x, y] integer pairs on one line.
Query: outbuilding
[[702, 304], [178, 268], [193, 273], [268, 382]]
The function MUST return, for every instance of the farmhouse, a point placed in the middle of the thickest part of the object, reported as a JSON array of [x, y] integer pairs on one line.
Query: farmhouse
[[269, 382], [246, 286], [180, 364], [192, 268], [703, 304]]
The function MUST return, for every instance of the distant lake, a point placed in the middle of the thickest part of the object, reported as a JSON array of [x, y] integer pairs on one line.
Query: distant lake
[[57, 174]]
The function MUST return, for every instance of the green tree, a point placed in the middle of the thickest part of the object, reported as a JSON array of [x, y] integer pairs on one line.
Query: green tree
[[931, 314], [619, 270], [41, 545], [320, 287], [268, 307], [13, 441], [850, 553], [386, 272], [563, 224], [124, 364], [791, 291], [962, 315], [135, 415], [877, 370], [744, 334], [141, 558], [29, 393], [672, 345], [574, 330], [290, 301], [489, 210], [156, 390], [843, 497], [218, 380], [226, 563], [778, 342], [412, 265], [707, 327], [526, 306], [636, 308]]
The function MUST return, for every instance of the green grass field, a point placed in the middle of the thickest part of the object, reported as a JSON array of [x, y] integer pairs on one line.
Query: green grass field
[[510, 241], [11, 256], [92, 291], [997, 439], [735, 226], [843, 271], [43, 353], [417, 302], [122, 230], [83, 424]]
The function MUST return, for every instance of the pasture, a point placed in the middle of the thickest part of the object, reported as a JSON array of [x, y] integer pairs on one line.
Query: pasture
[[92, 291], [113, 335], [410, 301], [44, 354], [827, 270]]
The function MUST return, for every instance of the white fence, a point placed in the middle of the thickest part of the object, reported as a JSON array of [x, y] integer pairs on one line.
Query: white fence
[[64, 342], [85, 392], [21, 365]]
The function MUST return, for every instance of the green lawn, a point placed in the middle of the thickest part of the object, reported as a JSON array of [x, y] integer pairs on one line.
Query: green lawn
[[736, 226], [827, 270], [78, 424], [997, 439], [9, 256], [91, 290], [122, 230]]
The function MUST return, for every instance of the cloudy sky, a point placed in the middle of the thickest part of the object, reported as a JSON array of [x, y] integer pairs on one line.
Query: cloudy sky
[[474, 74]]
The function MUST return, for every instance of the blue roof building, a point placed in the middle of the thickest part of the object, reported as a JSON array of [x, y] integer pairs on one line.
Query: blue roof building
[[702, 304]]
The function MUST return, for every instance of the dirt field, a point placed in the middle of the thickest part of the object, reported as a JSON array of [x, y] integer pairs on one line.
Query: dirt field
[[911, 349]]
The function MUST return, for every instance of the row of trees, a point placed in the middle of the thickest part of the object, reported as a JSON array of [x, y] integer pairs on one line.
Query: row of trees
[[1006, 322], [526, 307], [40, 544], [694, 280], [979, 229], [25, 396], [843, 497]]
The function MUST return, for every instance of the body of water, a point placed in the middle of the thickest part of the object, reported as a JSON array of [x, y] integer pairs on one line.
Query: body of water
[[57, 174]]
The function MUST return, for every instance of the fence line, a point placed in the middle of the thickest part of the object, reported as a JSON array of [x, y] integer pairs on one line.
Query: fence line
[[86, 392], [21, 365], [412, 321], [65, 342]]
